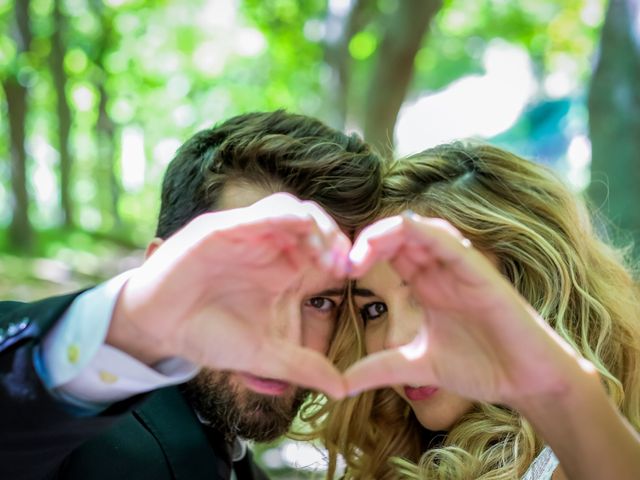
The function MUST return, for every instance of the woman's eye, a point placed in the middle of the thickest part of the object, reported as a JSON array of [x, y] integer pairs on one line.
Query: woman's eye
[[321, 303], [373, 310]]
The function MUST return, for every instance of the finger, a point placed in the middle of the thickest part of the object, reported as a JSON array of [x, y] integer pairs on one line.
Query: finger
[[405, 365], [293, 231], [445, 242], [379, 241], [446, 245], [286, 361], [335, 244], [341, 247], [324, 221], [409, 260], [300, 257], [299, 241], [320, 239], [387, 368], [296, 225], [278, 359], [281, 210], [318, 251], [279, 239], [239, 226], [331, 255], [277, 205]]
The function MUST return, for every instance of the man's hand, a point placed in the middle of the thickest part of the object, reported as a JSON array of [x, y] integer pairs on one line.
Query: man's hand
[[213, 292]]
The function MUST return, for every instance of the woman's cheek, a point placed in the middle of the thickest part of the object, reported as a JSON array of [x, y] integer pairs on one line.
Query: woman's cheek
[[374, 338]]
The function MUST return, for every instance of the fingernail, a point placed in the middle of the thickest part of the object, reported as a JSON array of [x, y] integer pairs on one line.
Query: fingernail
[[354, 393]]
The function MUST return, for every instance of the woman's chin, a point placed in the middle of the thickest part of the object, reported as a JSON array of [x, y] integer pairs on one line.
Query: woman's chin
[[441, 411]]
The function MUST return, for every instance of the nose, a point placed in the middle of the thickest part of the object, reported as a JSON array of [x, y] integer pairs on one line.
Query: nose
[[403, 326]]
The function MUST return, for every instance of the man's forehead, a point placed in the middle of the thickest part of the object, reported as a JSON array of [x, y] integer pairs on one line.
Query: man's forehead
[[242, 193]]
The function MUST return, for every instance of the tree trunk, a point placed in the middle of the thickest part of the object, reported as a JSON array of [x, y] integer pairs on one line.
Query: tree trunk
[[21, 234], [394, 69], [20, 230], [614, 121], [64, 114], [337, 56], [105, 128], [106, 131]]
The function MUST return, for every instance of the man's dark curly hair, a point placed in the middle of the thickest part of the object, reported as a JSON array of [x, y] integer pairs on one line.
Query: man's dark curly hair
[[277, 150]]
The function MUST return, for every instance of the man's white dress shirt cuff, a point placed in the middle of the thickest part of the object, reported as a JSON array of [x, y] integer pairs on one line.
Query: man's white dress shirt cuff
[[79, 368]]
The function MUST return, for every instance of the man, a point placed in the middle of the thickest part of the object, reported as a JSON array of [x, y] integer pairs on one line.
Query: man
[[242, 280]]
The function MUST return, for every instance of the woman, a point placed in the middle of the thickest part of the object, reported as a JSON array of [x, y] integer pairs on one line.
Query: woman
[[471, 306]]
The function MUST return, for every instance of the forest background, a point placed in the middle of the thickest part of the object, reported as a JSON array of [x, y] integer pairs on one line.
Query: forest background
[[97, 95]]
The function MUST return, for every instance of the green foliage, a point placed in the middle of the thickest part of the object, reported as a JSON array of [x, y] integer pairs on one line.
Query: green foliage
[[166, 68], [363, 45], [547, 29], [163, 69]]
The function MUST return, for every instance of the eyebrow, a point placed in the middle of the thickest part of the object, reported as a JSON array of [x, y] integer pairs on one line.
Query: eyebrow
[[362, 292], [331, 292]]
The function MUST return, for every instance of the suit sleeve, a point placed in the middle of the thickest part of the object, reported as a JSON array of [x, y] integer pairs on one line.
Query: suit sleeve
[[36, 430]]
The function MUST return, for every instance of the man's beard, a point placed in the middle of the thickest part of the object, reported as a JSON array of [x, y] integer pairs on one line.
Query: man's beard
[[236, 412]]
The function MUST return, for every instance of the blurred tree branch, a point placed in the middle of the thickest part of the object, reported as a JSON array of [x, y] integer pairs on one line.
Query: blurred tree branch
[[404, 31], [341, 31], [393, 72]]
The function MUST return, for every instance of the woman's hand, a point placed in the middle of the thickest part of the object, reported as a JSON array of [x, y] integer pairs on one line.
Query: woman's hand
[[479, 338]]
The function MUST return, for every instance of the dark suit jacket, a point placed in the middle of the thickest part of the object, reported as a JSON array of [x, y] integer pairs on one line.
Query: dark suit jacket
[[156, 436]]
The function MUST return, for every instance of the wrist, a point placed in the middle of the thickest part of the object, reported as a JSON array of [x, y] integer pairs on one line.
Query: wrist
[[564, 397], [126, 335], [566, 383]]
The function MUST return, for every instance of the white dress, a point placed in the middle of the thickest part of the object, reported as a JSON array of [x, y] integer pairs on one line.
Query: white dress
[[543, 466]]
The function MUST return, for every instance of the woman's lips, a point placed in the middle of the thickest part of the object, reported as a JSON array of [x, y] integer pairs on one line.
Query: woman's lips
[[419, 393], [267, 386]]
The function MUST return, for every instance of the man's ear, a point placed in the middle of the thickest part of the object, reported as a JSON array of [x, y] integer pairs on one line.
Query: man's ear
[[152, 247]]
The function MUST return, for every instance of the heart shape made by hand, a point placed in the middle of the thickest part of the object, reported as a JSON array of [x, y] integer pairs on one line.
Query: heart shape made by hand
[[217, 291]]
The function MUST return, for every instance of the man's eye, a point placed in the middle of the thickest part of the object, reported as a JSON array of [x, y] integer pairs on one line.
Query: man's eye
[[373, 310], [321, 303]]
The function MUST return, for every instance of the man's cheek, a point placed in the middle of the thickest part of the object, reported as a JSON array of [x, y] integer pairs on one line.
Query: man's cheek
[[317, 334]]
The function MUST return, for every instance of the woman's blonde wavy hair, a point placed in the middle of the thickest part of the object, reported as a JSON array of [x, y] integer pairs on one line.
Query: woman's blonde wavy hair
[[521, 213]]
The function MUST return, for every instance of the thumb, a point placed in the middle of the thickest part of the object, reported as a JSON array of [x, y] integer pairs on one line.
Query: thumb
[[289, 362], [405, 365]]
